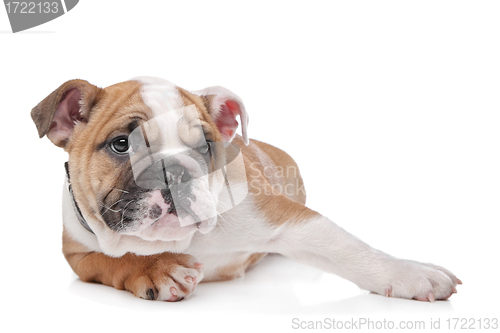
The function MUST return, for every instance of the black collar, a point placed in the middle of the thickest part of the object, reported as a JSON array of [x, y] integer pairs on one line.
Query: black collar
[[78, 212]]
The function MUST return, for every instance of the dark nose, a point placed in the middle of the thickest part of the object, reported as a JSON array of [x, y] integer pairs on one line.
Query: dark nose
[[175, 174], [160, 175]]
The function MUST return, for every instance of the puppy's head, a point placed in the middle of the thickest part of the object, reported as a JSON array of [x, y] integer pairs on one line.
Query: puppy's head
[[147, 159]]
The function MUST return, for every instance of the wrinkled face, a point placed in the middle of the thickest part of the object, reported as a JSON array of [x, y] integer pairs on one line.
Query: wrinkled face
[[145, 161]]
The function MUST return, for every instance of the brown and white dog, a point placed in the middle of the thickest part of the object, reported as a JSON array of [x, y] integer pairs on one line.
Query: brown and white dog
[[205, 203]]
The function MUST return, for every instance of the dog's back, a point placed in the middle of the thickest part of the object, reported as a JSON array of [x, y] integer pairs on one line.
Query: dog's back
[[277, 167]]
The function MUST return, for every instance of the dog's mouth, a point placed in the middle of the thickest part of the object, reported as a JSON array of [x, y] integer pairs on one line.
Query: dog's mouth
[[171, 223], [163, 214], [188, 215], [171, 219], [168, 228]]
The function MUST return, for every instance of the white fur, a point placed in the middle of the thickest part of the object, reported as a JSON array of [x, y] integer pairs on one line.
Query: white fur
[[240, 232], [159, 95], [321, 243]]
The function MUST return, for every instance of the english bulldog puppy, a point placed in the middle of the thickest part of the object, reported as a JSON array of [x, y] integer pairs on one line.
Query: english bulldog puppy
[[161, 194]]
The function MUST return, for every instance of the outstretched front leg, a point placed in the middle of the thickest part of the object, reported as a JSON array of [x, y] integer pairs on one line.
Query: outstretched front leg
[[165, 276], [306, 236]]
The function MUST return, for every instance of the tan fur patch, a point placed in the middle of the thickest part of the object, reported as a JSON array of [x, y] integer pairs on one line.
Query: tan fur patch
[[92, 170], [131, 272], [277, 206]]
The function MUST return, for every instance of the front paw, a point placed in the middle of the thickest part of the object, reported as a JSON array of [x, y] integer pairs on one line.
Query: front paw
[[415, 280], [165, 277]]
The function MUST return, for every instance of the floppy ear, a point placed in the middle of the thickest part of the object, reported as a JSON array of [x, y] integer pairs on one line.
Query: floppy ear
[[224, 105], [58, 113]]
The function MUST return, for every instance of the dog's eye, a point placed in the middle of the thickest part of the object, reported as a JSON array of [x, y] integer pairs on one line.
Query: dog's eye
[[120, 145], [204, 149]]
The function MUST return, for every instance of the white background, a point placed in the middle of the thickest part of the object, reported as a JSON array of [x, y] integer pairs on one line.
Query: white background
[[390, 108]]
